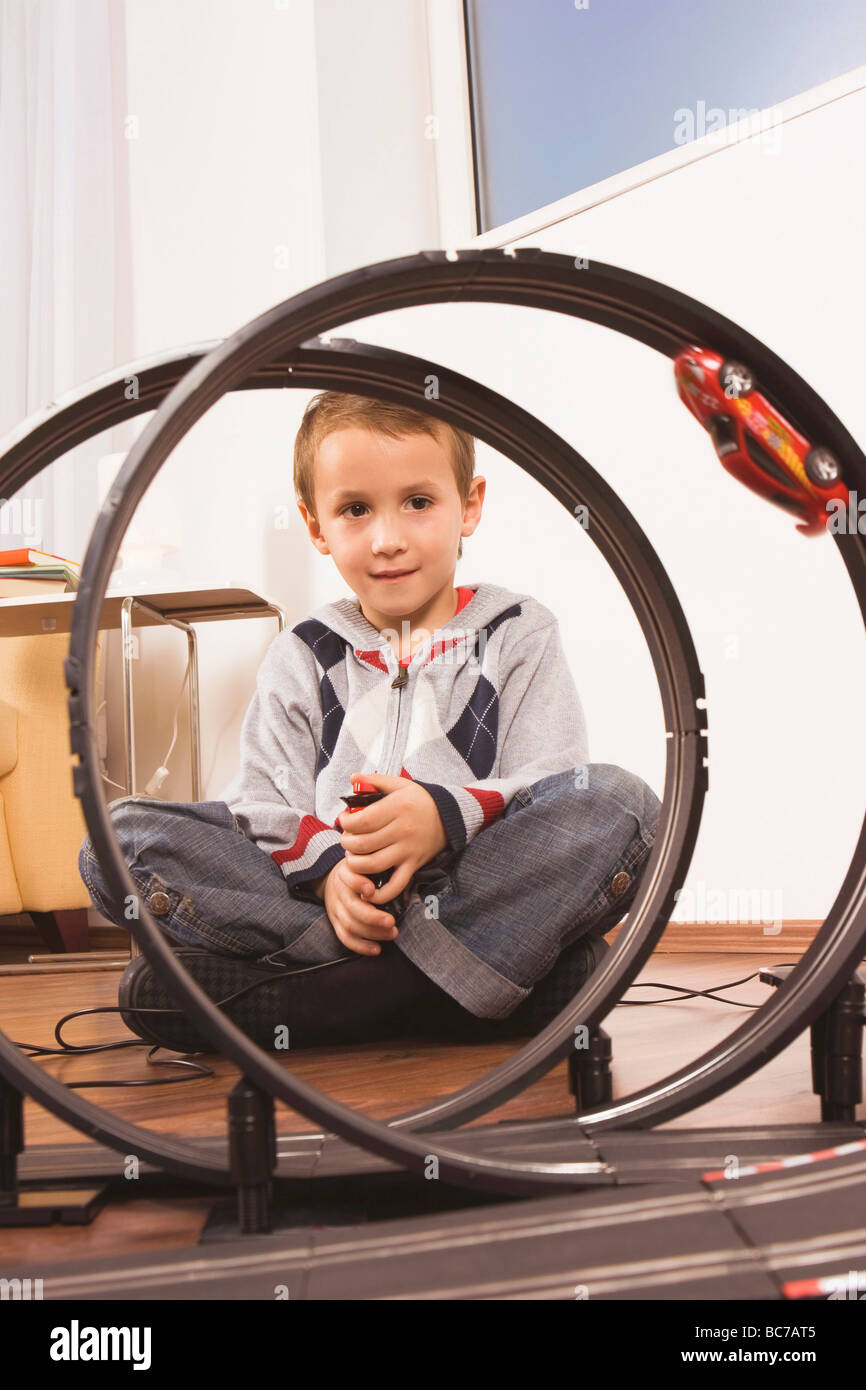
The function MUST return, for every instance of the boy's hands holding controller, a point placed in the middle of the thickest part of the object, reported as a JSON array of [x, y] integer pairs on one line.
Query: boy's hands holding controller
[[402, 831], [357, 923]]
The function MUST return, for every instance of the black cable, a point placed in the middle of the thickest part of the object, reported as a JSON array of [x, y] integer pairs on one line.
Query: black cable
[[71, 1049], [66, 1049], [693, 993]]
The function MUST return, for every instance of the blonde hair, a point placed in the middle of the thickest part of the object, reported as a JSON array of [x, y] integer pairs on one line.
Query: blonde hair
[[333, 410]]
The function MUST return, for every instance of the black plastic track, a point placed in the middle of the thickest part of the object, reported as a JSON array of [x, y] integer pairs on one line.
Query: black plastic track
[[663, 319]]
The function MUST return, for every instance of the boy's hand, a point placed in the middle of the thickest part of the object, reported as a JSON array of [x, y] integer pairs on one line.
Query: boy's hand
[[402, 831], [358, 924]]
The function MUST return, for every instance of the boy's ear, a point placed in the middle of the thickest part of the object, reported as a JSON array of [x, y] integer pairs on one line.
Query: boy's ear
[[312, 526], [474, 503]]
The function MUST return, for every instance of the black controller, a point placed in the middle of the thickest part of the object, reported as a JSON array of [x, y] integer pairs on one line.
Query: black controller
[[366, 799]]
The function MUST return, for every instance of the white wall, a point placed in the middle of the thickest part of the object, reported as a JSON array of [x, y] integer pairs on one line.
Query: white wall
[[306, 127], [226, 221]]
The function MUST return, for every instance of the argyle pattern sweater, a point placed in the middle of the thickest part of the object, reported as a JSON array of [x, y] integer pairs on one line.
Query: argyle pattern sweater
[[485, 706]]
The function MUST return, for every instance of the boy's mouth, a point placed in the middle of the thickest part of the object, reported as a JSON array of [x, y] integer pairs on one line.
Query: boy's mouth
[[393, 574]]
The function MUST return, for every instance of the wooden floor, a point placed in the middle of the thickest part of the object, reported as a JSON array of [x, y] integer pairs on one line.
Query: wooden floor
[[378, 1079]]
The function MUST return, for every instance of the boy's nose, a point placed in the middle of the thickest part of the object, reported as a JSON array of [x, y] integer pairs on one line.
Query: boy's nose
[[388, 540]]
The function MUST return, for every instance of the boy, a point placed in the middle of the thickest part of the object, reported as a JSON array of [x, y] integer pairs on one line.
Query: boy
[[509, 854]]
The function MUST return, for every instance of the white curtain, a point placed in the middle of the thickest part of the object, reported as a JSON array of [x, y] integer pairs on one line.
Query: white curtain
[[65, 268]]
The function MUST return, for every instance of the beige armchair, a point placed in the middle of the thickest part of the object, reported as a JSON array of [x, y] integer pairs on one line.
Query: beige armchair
[[41, 822]]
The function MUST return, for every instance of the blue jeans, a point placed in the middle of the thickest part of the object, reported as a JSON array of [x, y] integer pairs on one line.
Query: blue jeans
[[485, 923]]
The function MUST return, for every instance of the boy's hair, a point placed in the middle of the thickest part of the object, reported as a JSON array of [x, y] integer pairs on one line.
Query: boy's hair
[[333, 410]]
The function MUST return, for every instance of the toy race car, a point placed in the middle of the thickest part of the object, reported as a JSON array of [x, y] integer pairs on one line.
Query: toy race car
[[754, 443]]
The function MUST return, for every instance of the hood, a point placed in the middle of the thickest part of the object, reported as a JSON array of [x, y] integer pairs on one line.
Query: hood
[[489, 601]]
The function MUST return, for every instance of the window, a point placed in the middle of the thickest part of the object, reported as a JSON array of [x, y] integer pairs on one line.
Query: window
[[565, 93]]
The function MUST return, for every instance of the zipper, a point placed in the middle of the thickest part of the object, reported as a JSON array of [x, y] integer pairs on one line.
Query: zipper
[[400, 680]]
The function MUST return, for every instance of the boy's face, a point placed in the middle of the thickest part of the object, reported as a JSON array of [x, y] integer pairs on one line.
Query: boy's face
[[390, 504]]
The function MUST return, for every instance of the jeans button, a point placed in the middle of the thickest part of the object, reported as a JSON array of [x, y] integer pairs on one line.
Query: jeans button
[[159, 904], [620, 883]]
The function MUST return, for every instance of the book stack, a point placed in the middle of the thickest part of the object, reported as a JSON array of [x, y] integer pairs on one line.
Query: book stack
[[25, 572]]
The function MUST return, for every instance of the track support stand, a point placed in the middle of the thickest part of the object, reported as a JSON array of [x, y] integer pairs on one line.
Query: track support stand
[[837, 1046], [837, 1052], [33, 1205], [253, 1154], [589, 1075]]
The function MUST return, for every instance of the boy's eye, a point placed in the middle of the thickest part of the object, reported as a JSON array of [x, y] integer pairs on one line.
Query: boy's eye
[[350, 508]]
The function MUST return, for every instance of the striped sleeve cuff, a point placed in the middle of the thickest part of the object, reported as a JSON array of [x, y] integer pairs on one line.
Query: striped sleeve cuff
[[314, 853], [464, 811]]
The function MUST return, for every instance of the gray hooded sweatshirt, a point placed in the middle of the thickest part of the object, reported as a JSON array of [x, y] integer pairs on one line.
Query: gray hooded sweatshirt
[[487, 705]]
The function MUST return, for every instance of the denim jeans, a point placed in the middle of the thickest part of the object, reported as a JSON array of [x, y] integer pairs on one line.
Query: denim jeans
[[485, 923]]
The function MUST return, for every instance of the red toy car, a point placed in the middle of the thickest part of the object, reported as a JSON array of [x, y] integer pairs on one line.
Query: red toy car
[[754, 443]]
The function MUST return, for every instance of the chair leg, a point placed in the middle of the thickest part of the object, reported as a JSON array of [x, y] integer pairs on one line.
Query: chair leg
[[63, 931]]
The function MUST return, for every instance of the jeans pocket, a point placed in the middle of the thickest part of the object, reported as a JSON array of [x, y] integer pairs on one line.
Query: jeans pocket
[[178, 916], [519, 801], [430, 883]]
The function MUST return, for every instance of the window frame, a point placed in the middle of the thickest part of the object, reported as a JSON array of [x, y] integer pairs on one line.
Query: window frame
[[456, 148]]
